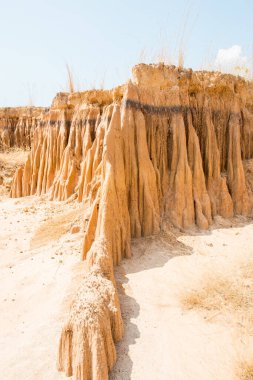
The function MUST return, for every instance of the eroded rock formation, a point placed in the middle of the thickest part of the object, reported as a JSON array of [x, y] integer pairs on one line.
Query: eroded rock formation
[[17, 126], [170, 144]]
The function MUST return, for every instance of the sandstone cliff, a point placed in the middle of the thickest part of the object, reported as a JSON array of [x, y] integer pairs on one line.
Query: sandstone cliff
[[17, 126], [170, 144]]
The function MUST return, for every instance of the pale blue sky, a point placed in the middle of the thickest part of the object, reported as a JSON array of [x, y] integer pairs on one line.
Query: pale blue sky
[[101, 40]]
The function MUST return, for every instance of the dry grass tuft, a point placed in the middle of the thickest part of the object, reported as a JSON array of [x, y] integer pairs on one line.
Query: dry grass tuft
[[218, 293], [230, 293], [245, 371]]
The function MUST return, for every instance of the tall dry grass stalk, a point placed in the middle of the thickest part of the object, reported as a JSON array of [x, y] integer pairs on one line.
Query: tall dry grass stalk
[[172, 51], [102, 81], [184, 34], [181, 58], [30, 95], [163, 56], [143, 56], [70, 79]]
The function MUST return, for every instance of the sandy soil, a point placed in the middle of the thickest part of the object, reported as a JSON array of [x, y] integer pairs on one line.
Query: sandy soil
[[38, 276], [40, 269], [163, 341]]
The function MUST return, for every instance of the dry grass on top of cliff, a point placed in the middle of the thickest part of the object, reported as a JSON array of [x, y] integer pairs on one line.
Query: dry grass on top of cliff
[[70, 79], [229, 293]]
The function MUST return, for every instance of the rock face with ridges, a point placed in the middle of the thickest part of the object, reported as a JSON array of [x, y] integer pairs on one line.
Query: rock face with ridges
[[170, 144], [17, 126]]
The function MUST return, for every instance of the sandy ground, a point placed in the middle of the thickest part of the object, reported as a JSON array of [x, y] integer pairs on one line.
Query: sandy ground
[[40, 269], [38, 275], [163, 341]]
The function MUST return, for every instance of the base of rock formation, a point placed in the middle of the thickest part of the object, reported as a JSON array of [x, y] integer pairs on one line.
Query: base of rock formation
[[10, 161]]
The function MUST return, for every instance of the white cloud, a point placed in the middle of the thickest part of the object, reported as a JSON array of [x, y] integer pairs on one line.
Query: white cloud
[[233, 61]]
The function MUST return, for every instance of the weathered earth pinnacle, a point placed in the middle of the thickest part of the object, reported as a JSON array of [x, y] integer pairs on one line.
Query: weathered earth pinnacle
[[171, 144]]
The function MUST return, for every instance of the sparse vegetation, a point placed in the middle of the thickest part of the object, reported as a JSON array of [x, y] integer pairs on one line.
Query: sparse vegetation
[[180, 58], [231, 292], [30, 95], [163, 56], [229, 295], [245, 371]]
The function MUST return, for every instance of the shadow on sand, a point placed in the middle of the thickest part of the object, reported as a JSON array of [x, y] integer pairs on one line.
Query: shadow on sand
[[143, 259]]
